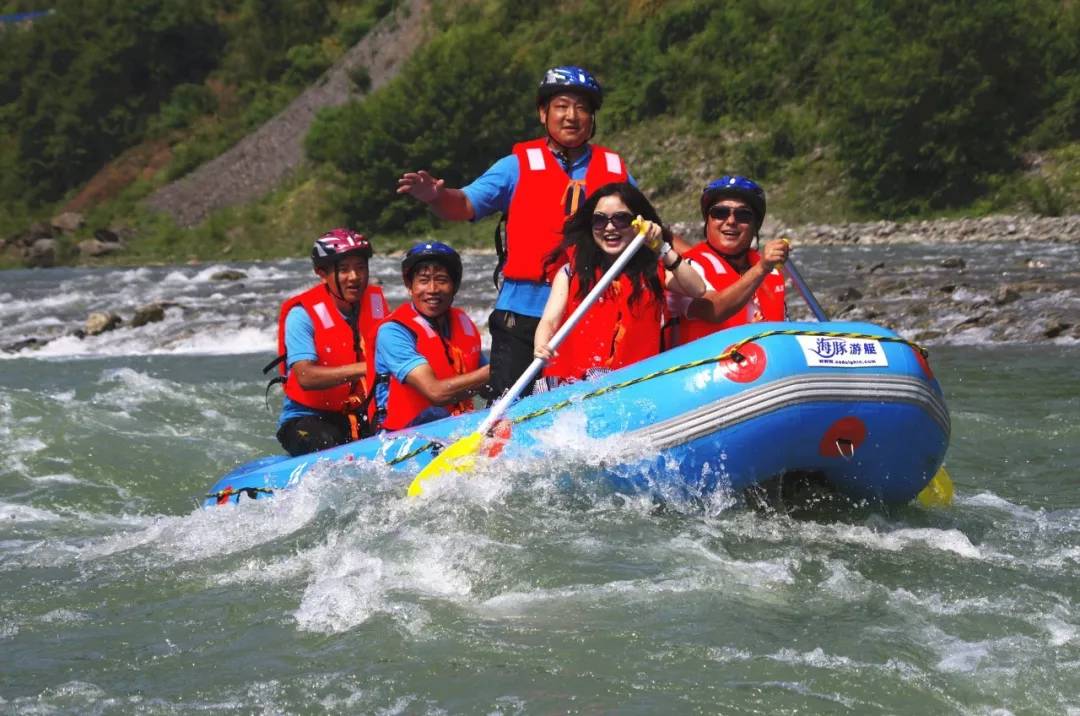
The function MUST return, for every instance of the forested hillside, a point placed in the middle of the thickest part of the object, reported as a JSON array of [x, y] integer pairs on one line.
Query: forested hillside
[[844, 110]]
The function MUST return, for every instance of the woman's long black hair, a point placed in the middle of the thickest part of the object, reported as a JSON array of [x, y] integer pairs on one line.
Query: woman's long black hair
[[590, 261]]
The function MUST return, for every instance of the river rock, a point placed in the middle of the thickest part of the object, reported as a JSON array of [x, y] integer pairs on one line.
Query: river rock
[[954, 262], [229, 275], [69, 222], [1005, 295], [99, 322], [1055, 328], [23, 344], [849, 294], [41, 253], [150, 313], [92, 248], [38, 230]]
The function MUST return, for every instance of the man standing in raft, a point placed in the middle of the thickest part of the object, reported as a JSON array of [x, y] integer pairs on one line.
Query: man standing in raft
[[742, 285], [326, 348], [428, 350], [537, 186]]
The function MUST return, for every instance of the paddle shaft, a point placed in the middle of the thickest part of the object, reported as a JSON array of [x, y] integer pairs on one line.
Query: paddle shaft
[[808, 296], [531, 372]]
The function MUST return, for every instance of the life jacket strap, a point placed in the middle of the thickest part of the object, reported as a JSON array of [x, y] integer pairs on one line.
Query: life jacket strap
[[500, 251], [274, 364], [266, 394]]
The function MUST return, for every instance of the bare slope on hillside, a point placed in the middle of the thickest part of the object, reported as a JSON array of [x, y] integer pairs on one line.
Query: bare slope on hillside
[[259, 162]]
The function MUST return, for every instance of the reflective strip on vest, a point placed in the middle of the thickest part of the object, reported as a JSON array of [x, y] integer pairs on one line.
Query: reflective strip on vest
[[717, 265], [425, 326], [378, 306], [467, 326], [323, 313], [536, 158], [614, 164]]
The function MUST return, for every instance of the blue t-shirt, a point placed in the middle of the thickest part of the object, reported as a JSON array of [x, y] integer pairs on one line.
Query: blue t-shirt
[[299, 345], [396, 355], [492, 192]]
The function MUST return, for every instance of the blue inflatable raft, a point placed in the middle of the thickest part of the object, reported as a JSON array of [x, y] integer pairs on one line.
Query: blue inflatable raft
[[851, 404]]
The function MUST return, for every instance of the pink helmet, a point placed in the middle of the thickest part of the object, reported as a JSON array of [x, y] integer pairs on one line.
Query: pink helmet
[[337, 243]]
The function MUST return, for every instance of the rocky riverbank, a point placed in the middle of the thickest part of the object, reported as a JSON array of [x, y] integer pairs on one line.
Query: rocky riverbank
[[940, 231], [992, 280]]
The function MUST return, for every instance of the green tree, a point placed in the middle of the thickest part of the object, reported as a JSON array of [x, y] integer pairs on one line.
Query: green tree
[[90, 75], [929, 99]]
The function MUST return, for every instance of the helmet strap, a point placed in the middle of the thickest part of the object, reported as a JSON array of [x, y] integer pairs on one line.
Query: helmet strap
[[334, 289]]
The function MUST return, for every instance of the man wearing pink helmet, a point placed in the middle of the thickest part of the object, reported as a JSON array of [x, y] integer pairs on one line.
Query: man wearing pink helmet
[[326, 338], [536, 187]]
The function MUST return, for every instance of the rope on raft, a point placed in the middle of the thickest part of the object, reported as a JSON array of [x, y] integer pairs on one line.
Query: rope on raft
[[731, 353]]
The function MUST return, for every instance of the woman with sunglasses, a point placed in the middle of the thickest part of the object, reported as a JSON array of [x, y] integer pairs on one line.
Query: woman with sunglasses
[[743, 285], [625, 324]]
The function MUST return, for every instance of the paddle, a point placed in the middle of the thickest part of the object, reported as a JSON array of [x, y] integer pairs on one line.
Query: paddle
[[460, 456], [939, 491]]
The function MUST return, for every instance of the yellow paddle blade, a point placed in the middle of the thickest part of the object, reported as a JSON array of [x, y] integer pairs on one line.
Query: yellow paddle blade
[[938, 492], [457, 458]]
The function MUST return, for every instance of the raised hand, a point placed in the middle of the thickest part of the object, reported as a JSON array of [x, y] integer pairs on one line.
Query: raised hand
[[420, 185]]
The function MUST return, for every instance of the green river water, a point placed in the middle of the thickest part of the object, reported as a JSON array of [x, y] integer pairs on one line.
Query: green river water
[[119, 596]]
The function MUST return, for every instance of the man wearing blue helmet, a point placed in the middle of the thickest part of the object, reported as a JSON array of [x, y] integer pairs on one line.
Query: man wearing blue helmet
[[742, 285], [427, 353], [536, 187]]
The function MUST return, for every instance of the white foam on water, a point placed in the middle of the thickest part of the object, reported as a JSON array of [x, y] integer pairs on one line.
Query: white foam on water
[[132, 387], [816, 658], [728, 654], [1061, 632], [523, 603], [764, 574], [992, 659], [897, 540], [64, 616], [1062, 558], [936, 603], [224, 341], [214, 533], [847, 584], [55, 301], [354, 575], [346, 591], [989, 499], [17, 513], [63, 478], [210, 340]]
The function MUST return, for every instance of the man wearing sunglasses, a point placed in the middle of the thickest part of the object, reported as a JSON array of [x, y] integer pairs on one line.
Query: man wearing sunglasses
[[742, 285], [536, 187]]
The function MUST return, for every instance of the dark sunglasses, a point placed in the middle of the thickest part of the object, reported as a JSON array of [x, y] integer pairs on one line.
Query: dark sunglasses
[[620, 220], [742, 215]]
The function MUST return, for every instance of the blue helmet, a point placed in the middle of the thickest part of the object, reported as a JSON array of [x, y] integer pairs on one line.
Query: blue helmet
[[569, 78], [435, 252], [737, 187]]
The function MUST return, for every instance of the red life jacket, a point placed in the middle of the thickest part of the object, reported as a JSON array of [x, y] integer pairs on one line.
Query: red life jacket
[[447, 358], [336, 344], [767, 303], [543, 199], [613, 333]]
